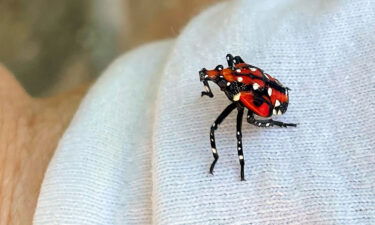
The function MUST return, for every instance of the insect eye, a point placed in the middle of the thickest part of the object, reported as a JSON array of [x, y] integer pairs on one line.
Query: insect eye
[[219, 67]]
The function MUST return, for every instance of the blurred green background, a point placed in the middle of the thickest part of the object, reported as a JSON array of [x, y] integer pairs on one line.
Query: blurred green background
[[53, 46]]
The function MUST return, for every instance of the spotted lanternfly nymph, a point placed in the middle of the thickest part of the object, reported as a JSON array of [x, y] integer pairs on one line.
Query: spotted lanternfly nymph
[[248, 87]]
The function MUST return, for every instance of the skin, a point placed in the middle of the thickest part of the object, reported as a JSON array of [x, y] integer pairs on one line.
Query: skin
[[29, 131]]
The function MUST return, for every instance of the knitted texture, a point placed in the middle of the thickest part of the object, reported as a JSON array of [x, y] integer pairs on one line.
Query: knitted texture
[[101, 171], [138, 150]]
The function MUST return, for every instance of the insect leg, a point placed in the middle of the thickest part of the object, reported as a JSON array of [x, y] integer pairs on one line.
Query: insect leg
[[238, 59], [266, 123], [208, 91], [230, 60], [214, 127], [239, 142]]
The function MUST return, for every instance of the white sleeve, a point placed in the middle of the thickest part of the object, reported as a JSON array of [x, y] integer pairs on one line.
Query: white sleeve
[[138, 149]]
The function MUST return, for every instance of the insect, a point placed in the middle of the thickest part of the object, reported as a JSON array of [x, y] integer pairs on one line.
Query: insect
[[246, 86]]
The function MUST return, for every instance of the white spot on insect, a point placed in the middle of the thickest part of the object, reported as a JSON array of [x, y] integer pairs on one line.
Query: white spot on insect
[[279, 112], [238, 132], [255, 86], [274, 112], [267, 124], [253, 69], [234, 61], [248, 116], [205, 76], [237, 97], [212, 140], [213, 125], [277, 103], [239, 79], [267, 76], [228, 83], [240, 157], [214, 150], [238, 70], [239, 148], [269, 91], [220, 68], [239, 142]]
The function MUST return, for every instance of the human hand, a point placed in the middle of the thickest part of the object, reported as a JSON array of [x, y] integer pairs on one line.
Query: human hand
[[29, 132]]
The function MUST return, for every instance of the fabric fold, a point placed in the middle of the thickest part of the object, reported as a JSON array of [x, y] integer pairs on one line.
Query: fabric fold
[[101, 171], [312, 174]]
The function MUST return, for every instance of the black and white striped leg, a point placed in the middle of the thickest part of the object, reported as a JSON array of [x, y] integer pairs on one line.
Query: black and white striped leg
[[207, 91], [266, 123], [239, 142], [214, 127]]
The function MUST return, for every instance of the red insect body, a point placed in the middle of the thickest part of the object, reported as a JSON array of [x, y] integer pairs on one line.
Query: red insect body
[[259, 81]]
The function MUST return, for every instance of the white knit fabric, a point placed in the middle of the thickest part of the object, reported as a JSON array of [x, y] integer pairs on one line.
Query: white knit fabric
[[138, 150]]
